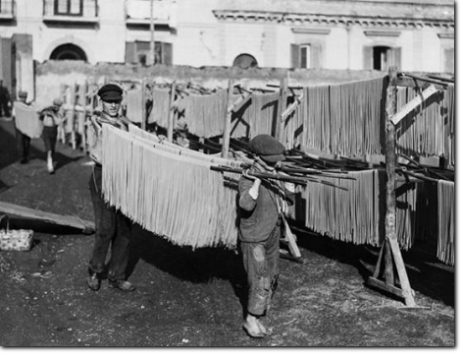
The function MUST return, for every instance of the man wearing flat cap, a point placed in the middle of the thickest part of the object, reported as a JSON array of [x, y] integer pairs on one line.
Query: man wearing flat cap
[[112, 227], [51, 118], [260, 209]]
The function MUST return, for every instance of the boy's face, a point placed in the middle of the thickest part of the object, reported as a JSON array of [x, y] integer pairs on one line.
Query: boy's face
[[111, 107], [267, 165]]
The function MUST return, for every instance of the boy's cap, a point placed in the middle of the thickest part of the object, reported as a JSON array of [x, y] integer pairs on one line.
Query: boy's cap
[[267, 147]]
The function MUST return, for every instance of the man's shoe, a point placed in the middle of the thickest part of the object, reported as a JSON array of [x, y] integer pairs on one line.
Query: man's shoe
[[94, 282], [121, 285]]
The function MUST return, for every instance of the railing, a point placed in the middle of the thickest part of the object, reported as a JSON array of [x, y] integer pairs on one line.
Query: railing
[[70, 9], [7, 9], [138, 11]]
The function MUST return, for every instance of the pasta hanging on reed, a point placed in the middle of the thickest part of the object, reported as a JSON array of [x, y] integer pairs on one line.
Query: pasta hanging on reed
[[446, 218], [170, 194]]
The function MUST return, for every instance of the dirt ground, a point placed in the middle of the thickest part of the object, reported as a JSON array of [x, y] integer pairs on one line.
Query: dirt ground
[[190, 298]]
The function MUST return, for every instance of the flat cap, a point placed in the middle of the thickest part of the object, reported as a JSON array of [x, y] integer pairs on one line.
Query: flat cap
[[22, 94], [58, 102], [110, 92], [267, 147]]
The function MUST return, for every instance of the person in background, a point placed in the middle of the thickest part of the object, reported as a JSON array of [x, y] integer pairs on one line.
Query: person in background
[[112, 228], [4, 100], [51, 118], [27, 124], [261, 204]]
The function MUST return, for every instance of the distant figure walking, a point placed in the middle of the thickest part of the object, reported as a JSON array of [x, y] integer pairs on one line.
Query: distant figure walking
[[4, 100], [51, 118]]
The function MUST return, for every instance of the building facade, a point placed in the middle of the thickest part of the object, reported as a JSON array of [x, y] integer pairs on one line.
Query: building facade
[[415, 35]]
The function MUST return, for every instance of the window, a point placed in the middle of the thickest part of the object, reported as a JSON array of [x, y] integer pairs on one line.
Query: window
[[307, 56], [68, 52], [245, 61], [6, 7], [69, 7], [381, 57], [139, 52]]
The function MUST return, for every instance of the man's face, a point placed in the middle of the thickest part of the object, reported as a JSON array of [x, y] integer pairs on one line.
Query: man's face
[[111, 107]]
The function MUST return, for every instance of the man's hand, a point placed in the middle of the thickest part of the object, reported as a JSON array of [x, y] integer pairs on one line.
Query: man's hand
[[288, 185], [254, 190]]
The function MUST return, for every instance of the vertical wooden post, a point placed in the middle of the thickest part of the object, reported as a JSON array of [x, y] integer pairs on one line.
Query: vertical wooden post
[[143, 105], [278, 128], [390, 232], [84, 128], [171, 113], [391, 236], [390, 251], [73, 115], [228, 117]]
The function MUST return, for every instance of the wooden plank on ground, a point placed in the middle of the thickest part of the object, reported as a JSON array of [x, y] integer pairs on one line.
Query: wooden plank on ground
[[11, 209]]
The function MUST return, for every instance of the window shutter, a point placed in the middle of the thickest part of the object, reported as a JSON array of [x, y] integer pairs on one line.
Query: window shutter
[[130, 52], [316, 55], [167, 53], [76, 7], [367, 58], [449, 60], [295, 56], [396, 57]]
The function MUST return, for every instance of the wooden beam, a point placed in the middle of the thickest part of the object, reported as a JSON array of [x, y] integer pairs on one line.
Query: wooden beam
[[290, 238], [403, 278], [426, 80], [289, 110], [84, 102], [391, 247], [170, 114], [11, 209], [386, 287], [413, 104], [278, 128], [238, 104], [390, 232], [143, 105], [227, 123]]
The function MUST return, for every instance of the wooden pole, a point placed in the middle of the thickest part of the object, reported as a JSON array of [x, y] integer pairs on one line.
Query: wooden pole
[[390, 249], [170, 118], [84, 129], [390, 232], [143, 105], [228, 117], [152, 56], [278, 129], [73, 115]]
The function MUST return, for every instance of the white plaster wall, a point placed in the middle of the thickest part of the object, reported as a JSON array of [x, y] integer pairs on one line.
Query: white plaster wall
[[199, 39], [337, 49], [357, 42], [431, 51], [245, 38], [106, 43]]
